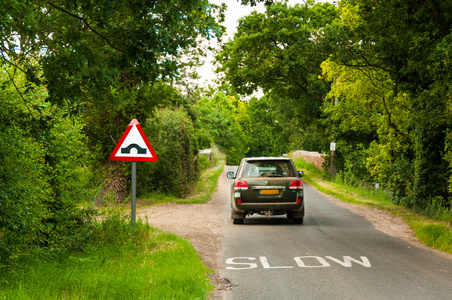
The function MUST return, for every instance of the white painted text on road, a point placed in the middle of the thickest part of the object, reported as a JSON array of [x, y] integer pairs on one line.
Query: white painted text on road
[[245, 263]]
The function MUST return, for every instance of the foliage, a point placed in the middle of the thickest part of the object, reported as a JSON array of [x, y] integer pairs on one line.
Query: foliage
[[265, 131], [277, 51], [391, 75], [101, 49], [122, 262], [365, 119], [171, 135], [220, 117], [23, 192], [99, 59], [45, 173]]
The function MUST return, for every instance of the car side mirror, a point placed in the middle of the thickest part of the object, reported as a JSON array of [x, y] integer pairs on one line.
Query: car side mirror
[[300, 174], [230, 175]]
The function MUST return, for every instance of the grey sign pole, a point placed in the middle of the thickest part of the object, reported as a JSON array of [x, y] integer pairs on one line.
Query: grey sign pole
[[133, 138], [134, 190]]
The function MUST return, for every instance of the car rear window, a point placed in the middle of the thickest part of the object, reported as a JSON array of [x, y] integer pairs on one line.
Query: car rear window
[[268, 168]]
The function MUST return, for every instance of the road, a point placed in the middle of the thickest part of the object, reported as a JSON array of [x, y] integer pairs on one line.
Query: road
[[335, 254]]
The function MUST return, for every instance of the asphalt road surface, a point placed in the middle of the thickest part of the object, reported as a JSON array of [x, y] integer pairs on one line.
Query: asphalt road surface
[[335, 254]]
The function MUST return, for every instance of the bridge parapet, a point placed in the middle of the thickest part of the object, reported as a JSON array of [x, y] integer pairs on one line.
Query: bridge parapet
[[311, 156]]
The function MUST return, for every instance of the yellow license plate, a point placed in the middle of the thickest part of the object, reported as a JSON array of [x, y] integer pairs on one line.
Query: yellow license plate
[[269, 192]]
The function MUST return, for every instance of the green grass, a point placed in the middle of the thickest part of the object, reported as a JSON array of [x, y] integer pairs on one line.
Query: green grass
[[435, 233], [124, 263], [205, 186]]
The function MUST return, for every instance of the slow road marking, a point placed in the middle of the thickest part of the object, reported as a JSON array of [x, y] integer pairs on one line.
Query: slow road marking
[[246, 263]]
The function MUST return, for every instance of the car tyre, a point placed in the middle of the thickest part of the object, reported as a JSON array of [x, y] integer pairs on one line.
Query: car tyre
[[298, 221], [237, 221], [237, 218]]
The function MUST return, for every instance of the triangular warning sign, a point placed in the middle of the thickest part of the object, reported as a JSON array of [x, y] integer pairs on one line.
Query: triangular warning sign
[[133, 145]]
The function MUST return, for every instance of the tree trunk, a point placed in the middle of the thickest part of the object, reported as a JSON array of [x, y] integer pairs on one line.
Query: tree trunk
[[431, 170], [114, 185]]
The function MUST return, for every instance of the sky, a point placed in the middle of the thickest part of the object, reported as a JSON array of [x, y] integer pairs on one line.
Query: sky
[[234, 12]]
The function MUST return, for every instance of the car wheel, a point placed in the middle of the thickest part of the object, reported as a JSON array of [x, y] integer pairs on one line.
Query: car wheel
[[237, 221], [298, 221], [237, 218]]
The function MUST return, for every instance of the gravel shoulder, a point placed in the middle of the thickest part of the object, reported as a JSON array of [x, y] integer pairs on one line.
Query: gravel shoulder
[[202, 224]]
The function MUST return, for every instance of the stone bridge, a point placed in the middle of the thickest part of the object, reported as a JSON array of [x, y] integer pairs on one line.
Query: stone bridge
[[310, 156]]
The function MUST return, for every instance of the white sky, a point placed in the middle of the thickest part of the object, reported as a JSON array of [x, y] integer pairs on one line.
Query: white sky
[[234, 12]]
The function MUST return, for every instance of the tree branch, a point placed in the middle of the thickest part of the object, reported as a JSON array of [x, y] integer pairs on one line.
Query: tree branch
[[18, 90], [87, 25]]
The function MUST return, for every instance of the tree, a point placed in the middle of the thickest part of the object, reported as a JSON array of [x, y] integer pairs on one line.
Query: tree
[[279, 52], [410, 42], [266, 131], [98, 58], [368, 122], [176, 171], [218, 117]]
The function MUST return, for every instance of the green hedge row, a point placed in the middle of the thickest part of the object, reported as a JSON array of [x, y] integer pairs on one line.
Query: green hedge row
[[172, 137]]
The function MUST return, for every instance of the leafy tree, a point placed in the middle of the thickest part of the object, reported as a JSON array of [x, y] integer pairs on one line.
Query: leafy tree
[[266, 130], [218, 117], [409, 41], [279, 52], [98, 57], [361, 114]]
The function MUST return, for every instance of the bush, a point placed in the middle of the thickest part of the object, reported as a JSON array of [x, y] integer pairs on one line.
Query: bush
[[23, 189], [38, 201], [171, 135], [204, 162]]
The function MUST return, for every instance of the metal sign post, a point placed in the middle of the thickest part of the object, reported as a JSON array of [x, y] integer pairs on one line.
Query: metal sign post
[[133, 146], [134, 191], [333, 152]]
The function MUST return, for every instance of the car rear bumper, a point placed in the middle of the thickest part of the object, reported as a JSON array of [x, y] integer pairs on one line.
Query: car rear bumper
[[279, 207]]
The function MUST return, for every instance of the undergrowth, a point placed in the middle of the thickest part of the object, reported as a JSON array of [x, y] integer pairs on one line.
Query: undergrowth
[[124, 262]]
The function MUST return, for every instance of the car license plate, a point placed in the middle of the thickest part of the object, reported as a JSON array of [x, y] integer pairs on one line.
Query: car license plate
[[269, 192]]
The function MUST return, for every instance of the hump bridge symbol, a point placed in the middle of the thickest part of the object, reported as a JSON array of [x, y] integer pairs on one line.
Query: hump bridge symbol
[[127, 149]]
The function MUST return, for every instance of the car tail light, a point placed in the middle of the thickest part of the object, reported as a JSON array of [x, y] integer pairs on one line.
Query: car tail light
[[241, 185], [296, 185]]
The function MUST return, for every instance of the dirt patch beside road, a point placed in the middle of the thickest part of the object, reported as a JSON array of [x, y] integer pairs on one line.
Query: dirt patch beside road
[[202, 224]]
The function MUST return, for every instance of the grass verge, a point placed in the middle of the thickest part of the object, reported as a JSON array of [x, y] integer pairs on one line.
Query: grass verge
[[433, 233], [123, 263], [120, 262]]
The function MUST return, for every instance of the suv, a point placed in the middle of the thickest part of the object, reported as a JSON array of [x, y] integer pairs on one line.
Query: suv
[[267, 186]]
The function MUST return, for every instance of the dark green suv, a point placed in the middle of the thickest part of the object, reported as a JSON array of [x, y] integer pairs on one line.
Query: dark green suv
[[267, 186]]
